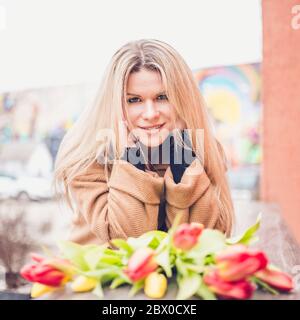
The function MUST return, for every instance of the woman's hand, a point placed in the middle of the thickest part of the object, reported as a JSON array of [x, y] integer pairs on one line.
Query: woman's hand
[[127, 137], [105, 152], [130, 150]]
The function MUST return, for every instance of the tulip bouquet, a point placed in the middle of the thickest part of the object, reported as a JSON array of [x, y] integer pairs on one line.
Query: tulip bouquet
[[203, 262]]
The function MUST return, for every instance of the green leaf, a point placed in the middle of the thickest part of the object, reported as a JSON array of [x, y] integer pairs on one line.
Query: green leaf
[[151, 239], [163, 259], [164, 244], [108, 278], [104, 265], [100, 257], [188, 286], [117, 282], [137, 286], [122, 244], [265, 286], [198, 268], [98, 291], [160, 235], [93, 256], [248, 236], [271, 266], [157, 237], [210, 242], [175, 224], [111, 260], [209, 259], [181, 267], [108, 274], [75, 253], [100, 273], [205, 293], [113, 252]]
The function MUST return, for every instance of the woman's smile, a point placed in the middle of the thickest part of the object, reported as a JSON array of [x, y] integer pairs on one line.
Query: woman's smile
[[153, 129]]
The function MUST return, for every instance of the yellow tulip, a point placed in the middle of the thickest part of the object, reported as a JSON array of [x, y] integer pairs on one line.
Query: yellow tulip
[[155, 285], [39, 289], [83, 284]]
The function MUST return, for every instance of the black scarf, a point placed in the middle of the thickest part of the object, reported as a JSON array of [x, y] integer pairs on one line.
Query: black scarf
[[178, 158]]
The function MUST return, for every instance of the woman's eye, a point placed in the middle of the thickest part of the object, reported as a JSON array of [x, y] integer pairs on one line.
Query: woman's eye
[[133, 100], [162, 97]]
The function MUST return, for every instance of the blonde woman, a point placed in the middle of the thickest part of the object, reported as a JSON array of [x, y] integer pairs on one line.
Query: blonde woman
[[134, 159]]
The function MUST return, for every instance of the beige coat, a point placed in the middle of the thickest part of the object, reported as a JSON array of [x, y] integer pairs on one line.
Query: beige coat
[[127, 206]]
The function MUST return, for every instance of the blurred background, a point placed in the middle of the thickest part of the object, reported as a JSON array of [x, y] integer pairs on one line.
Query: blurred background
[[52, 57]]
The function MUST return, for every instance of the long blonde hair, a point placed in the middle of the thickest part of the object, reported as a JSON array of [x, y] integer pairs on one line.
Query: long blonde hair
[[81, 144]]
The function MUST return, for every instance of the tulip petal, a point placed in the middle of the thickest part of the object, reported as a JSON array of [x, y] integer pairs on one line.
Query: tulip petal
[[38, 290], [186, 235], [275, 278], [238, 262], [241, 289], [140, 264], [83, 284], [155, 285]]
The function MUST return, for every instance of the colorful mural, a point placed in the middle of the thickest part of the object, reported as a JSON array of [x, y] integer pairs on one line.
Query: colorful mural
[[41, 115], [232, 95]]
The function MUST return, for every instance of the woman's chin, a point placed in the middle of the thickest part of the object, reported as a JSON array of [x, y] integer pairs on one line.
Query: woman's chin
[[154, 139]]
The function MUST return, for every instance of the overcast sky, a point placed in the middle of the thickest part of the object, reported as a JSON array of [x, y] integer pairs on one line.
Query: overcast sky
[[58, 42]]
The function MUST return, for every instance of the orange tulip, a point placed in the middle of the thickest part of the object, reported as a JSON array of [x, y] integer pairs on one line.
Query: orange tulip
[[241, 289], [140, 264], [186, 235], [45, 271], [276, 279], [239, 261]]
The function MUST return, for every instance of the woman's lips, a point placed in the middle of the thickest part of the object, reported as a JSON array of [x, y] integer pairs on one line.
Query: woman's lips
[[153, 129]]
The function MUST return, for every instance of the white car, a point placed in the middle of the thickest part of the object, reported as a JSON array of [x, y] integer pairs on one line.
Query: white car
[[8, 186], [25, 187]]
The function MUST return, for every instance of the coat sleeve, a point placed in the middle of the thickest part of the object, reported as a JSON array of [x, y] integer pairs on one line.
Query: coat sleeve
[[194, 198], [125, 206]]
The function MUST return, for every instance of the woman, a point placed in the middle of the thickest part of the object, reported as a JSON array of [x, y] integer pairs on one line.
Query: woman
[[121, 164]]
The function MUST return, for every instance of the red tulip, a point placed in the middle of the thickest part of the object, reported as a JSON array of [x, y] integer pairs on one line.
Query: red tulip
[[276, 278], [238, 262], [140, 264], [45, 272], [187, 234], [241, 289], [37, 257]]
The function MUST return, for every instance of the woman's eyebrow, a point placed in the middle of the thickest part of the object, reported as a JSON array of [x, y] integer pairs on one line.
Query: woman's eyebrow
[[136, 95], [132, 94]]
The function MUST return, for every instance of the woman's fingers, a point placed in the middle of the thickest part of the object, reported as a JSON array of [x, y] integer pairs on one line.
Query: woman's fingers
[[127, 137]]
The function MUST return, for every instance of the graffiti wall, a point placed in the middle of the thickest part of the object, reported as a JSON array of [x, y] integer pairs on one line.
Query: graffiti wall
[[41, 115], [232, 95]]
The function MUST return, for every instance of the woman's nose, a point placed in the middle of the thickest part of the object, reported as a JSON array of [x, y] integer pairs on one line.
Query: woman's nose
[[150, 111]]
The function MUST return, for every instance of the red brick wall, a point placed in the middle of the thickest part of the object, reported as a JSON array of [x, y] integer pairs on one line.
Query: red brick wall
[[281, 109]]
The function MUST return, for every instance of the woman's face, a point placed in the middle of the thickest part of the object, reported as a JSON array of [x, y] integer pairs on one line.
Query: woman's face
[[149, 111]]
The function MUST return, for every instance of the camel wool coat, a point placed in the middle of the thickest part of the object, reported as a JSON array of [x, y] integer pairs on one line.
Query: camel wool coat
[[128, 204]]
